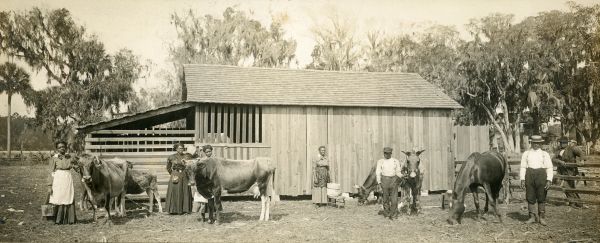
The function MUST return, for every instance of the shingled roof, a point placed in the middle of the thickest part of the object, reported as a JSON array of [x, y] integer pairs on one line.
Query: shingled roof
[[270, 86]]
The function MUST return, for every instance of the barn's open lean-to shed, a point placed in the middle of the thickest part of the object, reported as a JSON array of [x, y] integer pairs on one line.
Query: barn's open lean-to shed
[[286, 115]]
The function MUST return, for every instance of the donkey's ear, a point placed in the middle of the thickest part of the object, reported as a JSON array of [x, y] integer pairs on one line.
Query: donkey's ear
[[420, 151]]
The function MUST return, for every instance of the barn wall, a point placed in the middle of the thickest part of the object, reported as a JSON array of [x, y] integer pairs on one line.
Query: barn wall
[[355, 138]]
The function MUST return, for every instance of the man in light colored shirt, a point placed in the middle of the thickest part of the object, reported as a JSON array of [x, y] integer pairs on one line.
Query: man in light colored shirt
[[536, 177], [388, 174]]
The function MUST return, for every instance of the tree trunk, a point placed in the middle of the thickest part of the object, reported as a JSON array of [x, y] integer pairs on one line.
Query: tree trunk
[[517, 131], [8, 125], [508, 128]]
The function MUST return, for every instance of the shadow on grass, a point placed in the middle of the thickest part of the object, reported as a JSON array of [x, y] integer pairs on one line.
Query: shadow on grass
[[229, 217], [518, 216]]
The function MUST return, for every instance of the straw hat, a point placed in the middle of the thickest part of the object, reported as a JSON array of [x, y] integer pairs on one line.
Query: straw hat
[[537, 139]]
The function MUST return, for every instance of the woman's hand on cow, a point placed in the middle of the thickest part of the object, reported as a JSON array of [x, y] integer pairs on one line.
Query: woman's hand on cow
[[522, 184], [548, 184]]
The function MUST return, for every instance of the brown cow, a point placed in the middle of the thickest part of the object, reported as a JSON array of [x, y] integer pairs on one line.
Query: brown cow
[[481, 169], [212, 175], [104, 181]]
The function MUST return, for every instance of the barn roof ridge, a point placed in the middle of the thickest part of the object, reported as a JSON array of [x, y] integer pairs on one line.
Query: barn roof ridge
[[280, 86]]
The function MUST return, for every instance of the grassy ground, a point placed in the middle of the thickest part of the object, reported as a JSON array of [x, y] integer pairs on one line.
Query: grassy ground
[[22, 188]]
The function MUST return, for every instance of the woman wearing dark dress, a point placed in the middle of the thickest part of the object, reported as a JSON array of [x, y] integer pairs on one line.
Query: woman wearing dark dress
[[179, 194], [60, 186]]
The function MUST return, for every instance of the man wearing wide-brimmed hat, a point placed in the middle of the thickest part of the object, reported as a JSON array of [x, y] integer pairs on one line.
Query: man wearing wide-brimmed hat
[[536, 177], [568, 153]]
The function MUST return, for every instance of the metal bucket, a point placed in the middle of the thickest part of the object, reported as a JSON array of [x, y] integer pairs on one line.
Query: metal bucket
[[47, 210]]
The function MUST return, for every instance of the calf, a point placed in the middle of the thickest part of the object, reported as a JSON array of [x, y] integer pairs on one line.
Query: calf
[[137, 182]]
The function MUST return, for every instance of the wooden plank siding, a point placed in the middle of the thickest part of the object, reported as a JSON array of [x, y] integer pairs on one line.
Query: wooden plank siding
[[291, 135], [354, 138]]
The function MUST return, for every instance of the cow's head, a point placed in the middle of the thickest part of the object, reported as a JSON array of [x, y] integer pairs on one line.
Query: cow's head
[[193, 167], [88, 164], [362, 194], [412, 162]]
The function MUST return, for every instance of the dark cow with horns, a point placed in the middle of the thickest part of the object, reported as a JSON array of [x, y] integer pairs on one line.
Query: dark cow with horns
[[412, 180], [212, 175], [104, 181], [487, 170]]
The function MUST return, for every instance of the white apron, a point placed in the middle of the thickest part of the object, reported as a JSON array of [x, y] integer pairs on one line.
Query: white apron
[[62, 188]]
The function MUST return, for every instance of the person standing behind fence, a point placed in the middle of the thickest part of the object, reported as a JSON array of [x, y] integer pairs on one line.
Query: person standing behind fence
[[179, 194], [536, 177], [60, 187], [568, 153], [320, 177], [388, 173]]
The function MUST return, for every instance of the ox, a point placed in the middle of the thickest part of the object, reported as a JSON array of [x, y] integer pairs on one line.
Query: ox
[[411, 182], [487, 170], [104, 181], [212, 175]]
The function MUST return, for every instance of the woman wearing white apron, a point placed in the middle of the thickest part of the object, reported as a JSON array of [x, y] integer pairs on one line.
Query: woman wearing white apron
[[61, 186]]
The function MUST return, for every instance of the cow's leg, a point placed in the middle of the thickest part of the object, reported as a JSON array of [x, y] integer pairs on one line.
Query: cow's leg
[[217, 206], [474, 190], [107, 208], [151, 200], [122, 199], [415, 199], [157, 197], [262, 208], [492, 194], [268, 208]]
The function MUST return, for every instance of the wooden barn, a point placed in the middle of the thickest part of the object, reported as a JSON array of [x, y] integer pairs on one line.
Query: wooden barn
[[286, 115]]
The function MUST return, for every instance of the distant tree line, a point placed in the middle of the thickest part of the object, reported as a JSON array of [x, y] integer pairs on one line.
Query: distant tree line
[[507, 72], [26, 135]]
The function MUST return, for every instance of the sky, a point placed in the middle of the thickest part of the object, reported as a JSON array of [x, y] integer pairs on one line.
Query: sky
[[144, 26]]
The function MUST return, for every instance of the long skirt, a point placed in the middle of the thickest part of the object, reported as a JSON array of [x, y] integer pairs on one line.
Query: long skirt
[[320, 180], [62, 197], [179, 195]]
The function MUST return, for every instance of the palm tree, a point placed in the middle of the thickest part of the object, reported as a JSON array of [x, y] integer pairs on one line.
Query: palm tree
[[13, 80]]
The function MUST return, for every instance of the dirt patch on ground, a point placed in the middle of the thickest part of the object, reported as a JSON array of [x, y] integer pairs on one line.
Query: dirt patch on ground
[[23, 188]]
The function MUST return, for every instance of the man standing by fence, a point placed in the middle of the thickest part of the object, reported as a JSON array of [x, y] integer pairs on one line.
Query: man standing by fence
[[568, 153], [536, 177]]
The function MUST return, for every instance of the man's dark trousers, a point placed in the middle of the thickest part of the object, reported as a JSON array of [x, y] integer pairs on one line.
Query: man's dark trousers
[[389, 186]]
